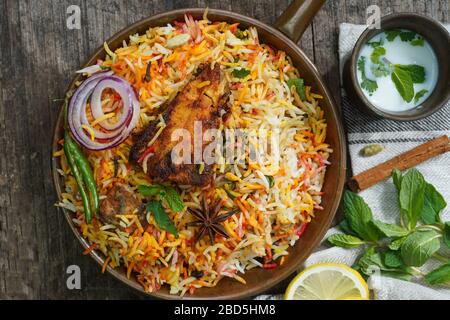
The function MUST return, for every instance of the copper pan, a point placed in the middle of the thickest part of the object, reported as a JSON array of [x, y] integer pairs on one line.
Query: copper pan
[[292, 24]]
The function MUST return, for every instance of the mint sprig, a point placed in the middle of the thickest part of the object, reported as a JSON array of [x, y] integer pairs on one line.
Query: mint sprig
[[171, 197], [168, 193], [398, 250]]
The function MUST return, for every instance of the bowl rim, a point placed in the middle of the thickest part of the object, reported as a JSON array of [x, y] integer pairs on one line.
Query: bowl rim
[[362, 39], [338, 149]]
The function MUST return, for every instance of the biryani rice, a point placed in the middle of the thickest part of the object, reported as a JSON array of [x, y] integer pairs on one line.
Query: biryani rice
[[270, 218]]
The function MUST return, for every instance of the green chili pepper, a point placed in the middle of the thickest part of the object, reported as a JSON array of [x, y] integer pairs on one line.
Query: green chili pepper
[[82, 172], [86, 172], [78, 178]]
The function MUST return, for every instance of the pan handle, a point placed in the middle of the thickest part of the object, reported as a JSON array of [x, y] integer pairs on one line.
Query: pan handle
[[296, 18]]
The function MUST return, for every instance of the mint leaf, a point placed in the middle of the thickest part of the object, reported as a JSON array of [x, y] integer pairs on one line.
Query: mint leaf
[[411, 197], [419, 95], [168, 193], [440, 275], [419, 42], [346, 228], [416, 72], [240, 73], [173, 199], [299, 84], [407, 35], [161, 218], [372, 261], [345, 241], [369, 85], [392, 34], [403, 82], [390, 230], [433, 205], [149, 191], [447, 234], [392, 259], [359, 217], [419, 246], [376, 54]]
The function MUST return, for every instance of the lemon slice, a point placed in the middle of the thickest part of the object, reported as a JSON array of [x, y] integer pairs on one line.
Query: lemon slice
[[328, 281]]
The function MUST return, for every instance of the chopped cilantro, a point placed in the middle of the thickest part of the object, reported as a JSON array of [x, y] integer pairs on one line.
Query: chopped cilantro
[[369, 85], [299, 85]]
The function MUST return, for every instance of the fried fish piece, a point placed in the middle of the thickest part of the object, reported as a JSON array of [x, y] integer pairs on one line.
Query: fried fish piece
[[202, 99]]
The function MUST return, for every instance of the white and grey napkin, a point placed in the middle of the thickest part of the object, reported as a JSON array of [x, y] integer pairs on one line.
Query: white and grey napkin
[[396, 137]]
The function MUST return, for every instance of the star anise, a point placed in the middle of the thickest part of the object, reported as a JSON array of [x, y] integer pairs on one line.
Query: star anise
[[209, 220]]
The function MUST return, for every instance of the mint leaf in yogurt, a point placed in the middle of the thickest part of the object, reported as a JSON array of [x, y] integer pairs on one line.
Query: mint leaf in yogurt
[[416, 72], [377, 53], [419, 95], [407, 35], [392, 34], [419, 42], [403, 82]]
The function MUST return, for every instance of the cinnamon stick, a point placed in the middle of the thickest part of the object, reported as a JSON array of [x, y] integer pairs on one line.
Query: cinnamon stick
[[403, 161]]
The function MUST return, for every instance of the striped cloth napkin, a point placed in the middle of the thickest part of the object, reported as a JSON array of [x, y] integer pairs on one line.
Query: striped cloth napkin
[[396, 137]]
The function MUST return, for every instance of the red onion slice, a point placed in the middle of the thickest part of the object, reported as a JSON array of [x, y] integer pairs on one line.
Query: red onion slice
[[123, 89], [77, 117]]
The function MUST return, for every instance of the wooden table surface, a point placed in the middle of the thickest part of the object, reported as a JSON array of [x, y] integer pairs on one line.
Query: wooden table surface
[[38, 56]]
